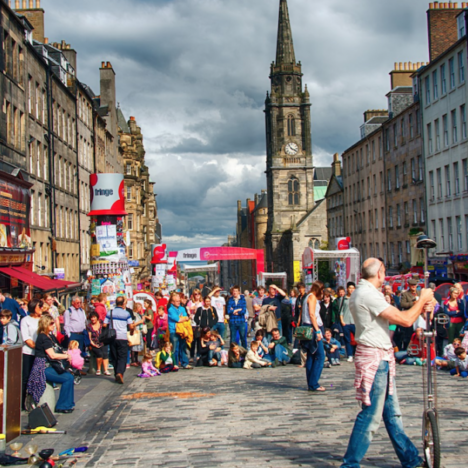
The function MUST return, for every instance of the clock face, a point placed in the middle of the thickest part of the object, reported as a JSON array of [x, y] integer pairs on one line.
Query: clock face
[[291, 149]]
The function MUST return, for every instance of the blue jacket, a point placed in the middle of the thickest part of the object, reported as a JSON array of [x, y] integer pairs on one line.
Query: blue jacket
[[459, 314], [333, 342], [231, 307], [12, 305], [173, 314]]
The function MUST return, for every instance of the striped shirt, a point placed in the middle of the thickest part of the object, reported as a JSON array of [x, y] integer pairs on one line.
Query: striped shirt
[[120, 319]]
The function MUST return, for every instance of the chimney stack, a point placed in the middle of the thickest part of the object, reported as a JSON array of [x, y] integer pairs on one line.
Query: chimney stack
[[442, 27], [401, 74], [35, 15], [336, 165]]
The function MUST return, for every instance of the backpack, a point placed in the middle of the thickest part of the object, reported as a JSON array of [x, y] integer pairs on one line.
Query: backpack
[[19, 336]]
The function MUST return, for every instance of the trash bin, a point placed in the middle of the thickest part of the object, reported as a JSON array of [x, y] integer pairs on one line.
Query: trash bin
[[11, 365]]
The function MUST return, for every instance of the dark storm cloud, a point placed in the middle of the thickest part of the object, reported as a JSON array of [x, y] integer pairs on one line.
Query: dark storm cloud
[[194, 73]]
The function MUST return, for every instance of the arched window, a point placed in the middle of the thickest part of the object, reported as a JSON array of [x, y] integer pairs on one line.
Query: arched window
[[291, 126], [293, 191]]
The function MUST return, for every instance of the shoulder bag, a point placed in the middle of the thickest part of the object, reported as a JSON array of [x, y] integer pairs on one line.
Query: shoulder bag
[[133, 338], [303, 333], [108, 334], [59, 365]]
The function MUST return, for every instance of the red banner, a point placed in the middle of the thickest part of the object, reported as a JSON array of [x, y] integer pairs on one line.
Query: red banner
[[14, 216]]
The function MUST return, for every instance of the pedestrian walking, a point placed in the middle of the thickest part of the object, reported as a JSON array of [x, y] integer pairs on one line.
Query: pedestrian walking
[[121, 321]]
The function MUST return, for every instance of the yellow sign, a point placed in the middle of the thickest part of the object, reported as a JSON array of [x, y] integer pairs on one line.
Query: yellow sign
[[297, 271], [95, 250]]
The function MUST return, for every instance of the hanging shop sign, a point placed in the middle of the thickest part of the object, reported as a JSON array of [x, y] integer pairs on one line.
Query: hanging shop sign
[[15, 203], [107, 194], [159, 253], [343, 243]]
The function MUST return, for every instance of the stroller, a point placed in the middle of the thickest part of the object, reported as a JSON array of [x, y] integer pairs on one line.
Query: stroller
[[76, 375]]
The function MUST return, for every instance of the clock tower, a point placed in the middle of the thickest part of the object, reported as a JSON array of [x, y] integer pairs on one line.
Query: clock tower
[[290, 171]]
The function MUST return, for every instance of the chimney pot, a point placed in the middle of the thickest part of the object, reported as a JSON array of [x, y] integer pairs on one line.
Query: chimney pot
[[31, 4], [108, 65], [103, 64], [455, 5], [46, 40], [395, 66], [431, 6], [132, 119], [17, 4], [38, 3]]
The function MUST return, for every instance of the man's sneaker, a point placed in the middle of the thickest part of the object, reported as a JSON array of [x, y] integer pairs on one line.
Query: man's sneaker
[[338, 363], [350, 359], [110, 366]]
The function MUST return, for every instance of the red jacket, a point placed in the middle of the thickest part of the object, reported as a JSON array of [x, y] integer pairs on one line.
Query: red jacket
[[100, 310], [422, 347]]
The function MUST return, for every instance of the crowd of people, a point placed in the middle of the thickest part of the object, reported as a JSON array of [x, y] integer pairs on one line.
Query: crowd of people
[[248, 331]]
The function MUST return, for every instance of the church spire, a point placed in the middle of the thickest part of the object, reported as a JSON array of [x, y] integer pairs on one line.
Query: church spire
[[285, 47]]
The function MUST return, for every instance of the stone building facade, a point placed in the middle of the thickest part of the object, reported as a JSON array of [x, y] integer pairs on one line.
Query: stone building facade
[[293, 215], [443, 99], [335, 204], [404, 173], [364, 194], [140, 199], [55, 129]]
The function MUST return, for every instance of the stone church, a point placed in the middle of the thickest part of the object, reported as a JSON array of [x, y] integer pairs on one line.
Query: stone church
[[297, 216]]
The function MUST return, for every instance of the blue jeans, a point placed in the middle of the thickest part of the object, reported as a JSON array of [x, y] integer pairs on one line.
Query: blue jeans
[[220, 328], [214, 355], [66, 399], [347, 330], [281, 354], [179, 348], [400, 355], [368, 421], [238, 327], [314, 366], [463, 374]]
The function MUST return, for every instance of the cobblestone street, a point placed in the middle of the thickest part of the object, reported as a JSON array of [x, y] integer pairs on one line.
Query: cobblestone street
[[239, 418]]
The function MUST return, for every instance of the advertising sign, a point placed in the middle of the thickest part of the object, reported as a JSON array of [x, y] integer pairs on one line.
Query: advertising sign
[[159, 253], [308, 258], [297, 271], [14, 216], [107, 194], [106, 237], [59, 273], [343, 243], [139, 297]]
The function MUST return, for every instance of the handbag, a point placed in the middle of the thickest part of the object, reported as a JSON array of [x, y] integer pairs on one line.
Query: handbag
[[108, 334], [133, 338], [59, 365], [304, 333]]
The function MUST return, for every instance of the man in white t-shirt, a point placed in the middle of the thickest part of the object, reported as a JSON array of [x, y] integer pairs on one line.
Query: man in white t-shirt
[[219, 303], [375, 366]]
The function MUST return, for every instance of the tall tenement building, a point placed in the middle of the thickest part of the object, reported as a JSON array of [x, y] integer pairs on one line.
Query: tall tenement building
[[56, 132], [295, 218], [140, 199]]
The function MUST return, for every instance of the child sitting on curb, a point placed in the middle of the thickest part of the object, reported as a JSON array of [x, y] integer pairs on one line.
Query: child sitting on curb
[[332, 348], [147, 368], [217, 341], [461, 363], [448, 361], [253, 360], [164, 360], [11, 331], [236, 356]]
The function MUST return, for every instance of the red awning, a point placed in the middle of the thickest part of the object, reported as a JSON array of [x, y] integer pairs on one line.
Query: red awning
[[39, 282]]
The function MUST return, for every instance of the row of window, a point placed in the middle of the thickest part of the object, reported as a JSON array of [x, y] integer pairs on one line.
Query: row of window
[[357, 223], [85, 154], [335, 227], [447, 238], [85, 200], [64, 125], [85, 247], [399, 252], [13, 58], [400, 178], [438, 79], [450, 174], [410, 126], [15, 126], [85, 111], [445, 130], [65, 175], [355, 161]]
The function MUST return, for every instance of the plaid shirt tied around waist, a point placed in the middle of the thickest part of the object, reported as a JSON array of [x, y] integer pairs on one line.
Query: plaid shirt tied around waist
[[367, 360]]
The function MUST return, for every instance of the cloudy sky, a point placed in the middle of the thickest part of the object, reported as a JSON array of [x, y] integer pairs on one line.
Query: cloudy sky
[[194, 73]]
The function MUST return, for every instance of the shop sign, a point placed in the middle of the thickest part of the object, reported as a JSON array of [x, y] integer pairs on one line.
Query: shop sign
[[107, 194], [343, 243], [14, 216], [11, 259], [59, 273]]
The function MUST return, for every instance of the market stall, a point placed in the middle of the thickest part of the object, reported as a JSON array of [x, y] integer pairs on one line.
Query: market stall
[[345, 264]]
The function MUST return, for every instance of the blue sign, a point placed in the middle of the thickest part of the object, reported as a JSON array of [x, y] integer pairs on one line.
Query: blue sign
[[133, 263]]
